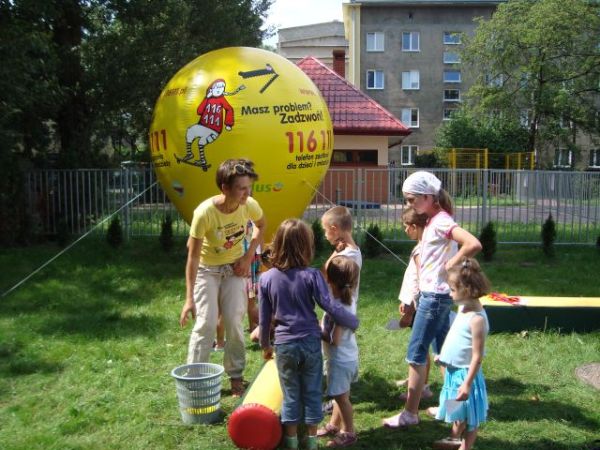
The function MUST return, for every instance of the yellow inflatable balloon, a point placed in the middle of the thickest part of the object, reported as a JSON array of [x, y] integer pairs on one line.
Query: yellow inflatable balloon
[[242, 102]]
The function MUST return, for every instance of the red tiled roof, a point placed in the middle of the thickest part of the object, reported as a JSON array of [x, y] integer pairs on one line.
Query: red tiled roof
[[352, 112]]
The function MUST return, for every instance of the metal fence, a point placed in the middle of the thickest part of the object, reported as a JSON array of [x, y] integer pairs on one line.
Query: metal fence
[[517, 201]]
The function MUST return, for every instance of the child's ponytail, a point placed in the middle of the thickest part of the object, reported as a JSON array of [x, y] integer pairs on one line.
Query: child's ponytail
[[342, 274], [345, 294], [445, 202], [469, 278]]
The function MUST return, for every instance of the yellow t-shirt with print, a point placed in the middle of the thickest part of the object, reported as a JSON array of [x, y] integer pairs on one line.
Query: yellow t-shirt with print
[[222, 234]]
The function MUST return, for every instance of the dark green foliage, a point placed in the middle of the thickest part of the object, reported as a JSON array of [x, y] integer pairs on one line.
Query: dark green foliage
[[62, 233], [598, 243], [78, 74], [467, 130], [166, 234], [488, 241], [319, 235], [426, 160], [12, 198], [114, 235], [548, 236], [372, 247]]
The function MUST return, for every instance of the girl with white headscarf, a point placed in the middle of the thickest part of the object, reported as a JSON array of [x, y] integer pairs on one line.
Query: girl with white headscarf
[[443, 245]]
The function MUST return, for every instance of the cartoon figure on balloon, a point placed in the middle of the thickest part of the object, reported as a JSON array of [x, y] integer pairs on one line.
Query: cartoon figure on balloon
[[215, 112]]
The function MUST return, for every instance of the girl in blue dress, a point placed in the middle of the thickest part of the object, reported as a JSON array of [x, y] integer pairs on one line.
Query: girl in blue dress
[[463, 400]]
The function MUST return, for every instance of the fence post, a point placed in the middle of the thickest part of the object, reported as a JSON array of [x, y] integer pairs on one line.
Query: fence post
[[126, 197], [484, 199], [558, 194], [359, 183]]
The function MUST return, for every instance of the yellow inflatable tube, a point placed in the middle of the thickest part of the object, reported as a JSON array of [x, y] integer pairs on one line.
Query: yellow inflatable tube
[[265, 390], [255, 423]]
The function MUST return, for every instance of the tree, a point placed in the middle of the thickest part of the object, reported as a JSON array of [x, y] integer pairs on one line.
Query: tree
[[548, 236], [538, 61], [499, 134], [29, 87]]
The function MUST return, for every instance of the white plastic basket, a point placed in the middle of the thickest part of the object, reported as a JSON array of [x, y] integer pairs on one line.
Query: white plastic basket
[[199, 392]]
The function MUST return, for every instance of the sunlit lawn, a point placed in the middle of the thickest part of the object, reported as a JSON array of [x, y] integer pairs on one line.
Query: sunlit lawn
[[86, 347]]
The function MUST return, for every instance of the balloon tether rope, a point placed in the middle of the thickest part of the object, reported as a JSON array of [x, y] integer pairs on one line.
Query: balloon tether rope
[[75, 242]]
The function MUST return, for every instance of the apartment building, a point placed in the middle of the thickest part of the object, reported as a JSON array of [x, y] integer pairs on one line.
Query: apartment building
[[403, 54]]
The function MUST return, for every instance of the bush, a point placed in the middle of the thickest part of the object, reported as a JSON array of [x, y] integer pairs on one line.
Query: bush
[[426, 160], [62, 233], [319, 235], [114, 235], [373, 237], [488, 241], [166, 234], [548, 236], [598, 242]]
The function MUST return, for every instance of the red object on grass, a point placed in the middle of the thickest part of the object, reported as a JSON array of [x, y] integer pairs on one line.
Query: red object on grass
[[254, 426], [504, 298]]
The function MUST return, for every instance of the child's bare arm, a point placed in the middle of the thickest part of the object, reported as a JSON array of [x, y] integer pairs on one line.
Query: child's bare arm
[[469, 246]]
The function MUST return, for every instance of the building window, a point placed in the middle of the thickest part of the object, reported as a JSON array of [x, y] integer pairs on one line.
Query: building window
[[494, 80], [451, 58], [595, 158], [410, 41], [563, 158], [410, 117], [524, 81], [452, 95], [451, 37], [407, 154], [448, 113], [375, 79], [375, 42], [524, 119], [451, 76], [410, 79], [565, 123], [354, 158]]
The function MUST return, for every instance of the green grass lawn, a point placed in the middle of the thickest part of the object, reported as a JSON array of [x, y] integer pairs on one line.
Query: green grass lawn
[[87, 345]]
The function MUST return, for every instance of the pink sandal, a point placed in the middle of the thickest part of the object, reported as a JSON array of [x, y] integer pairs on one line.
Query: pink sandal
[[328, 430], [402, 420], [342, 440]]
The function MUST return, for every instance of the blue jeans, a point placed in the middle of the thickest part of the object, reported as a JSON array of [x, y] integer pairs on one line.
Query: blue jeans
[[431, 325], [300, 366]]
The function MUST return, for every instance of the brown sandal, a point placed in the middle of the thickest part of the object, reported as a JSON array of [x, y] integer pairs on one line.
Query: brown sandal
[[342, 440], [237, 387]]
